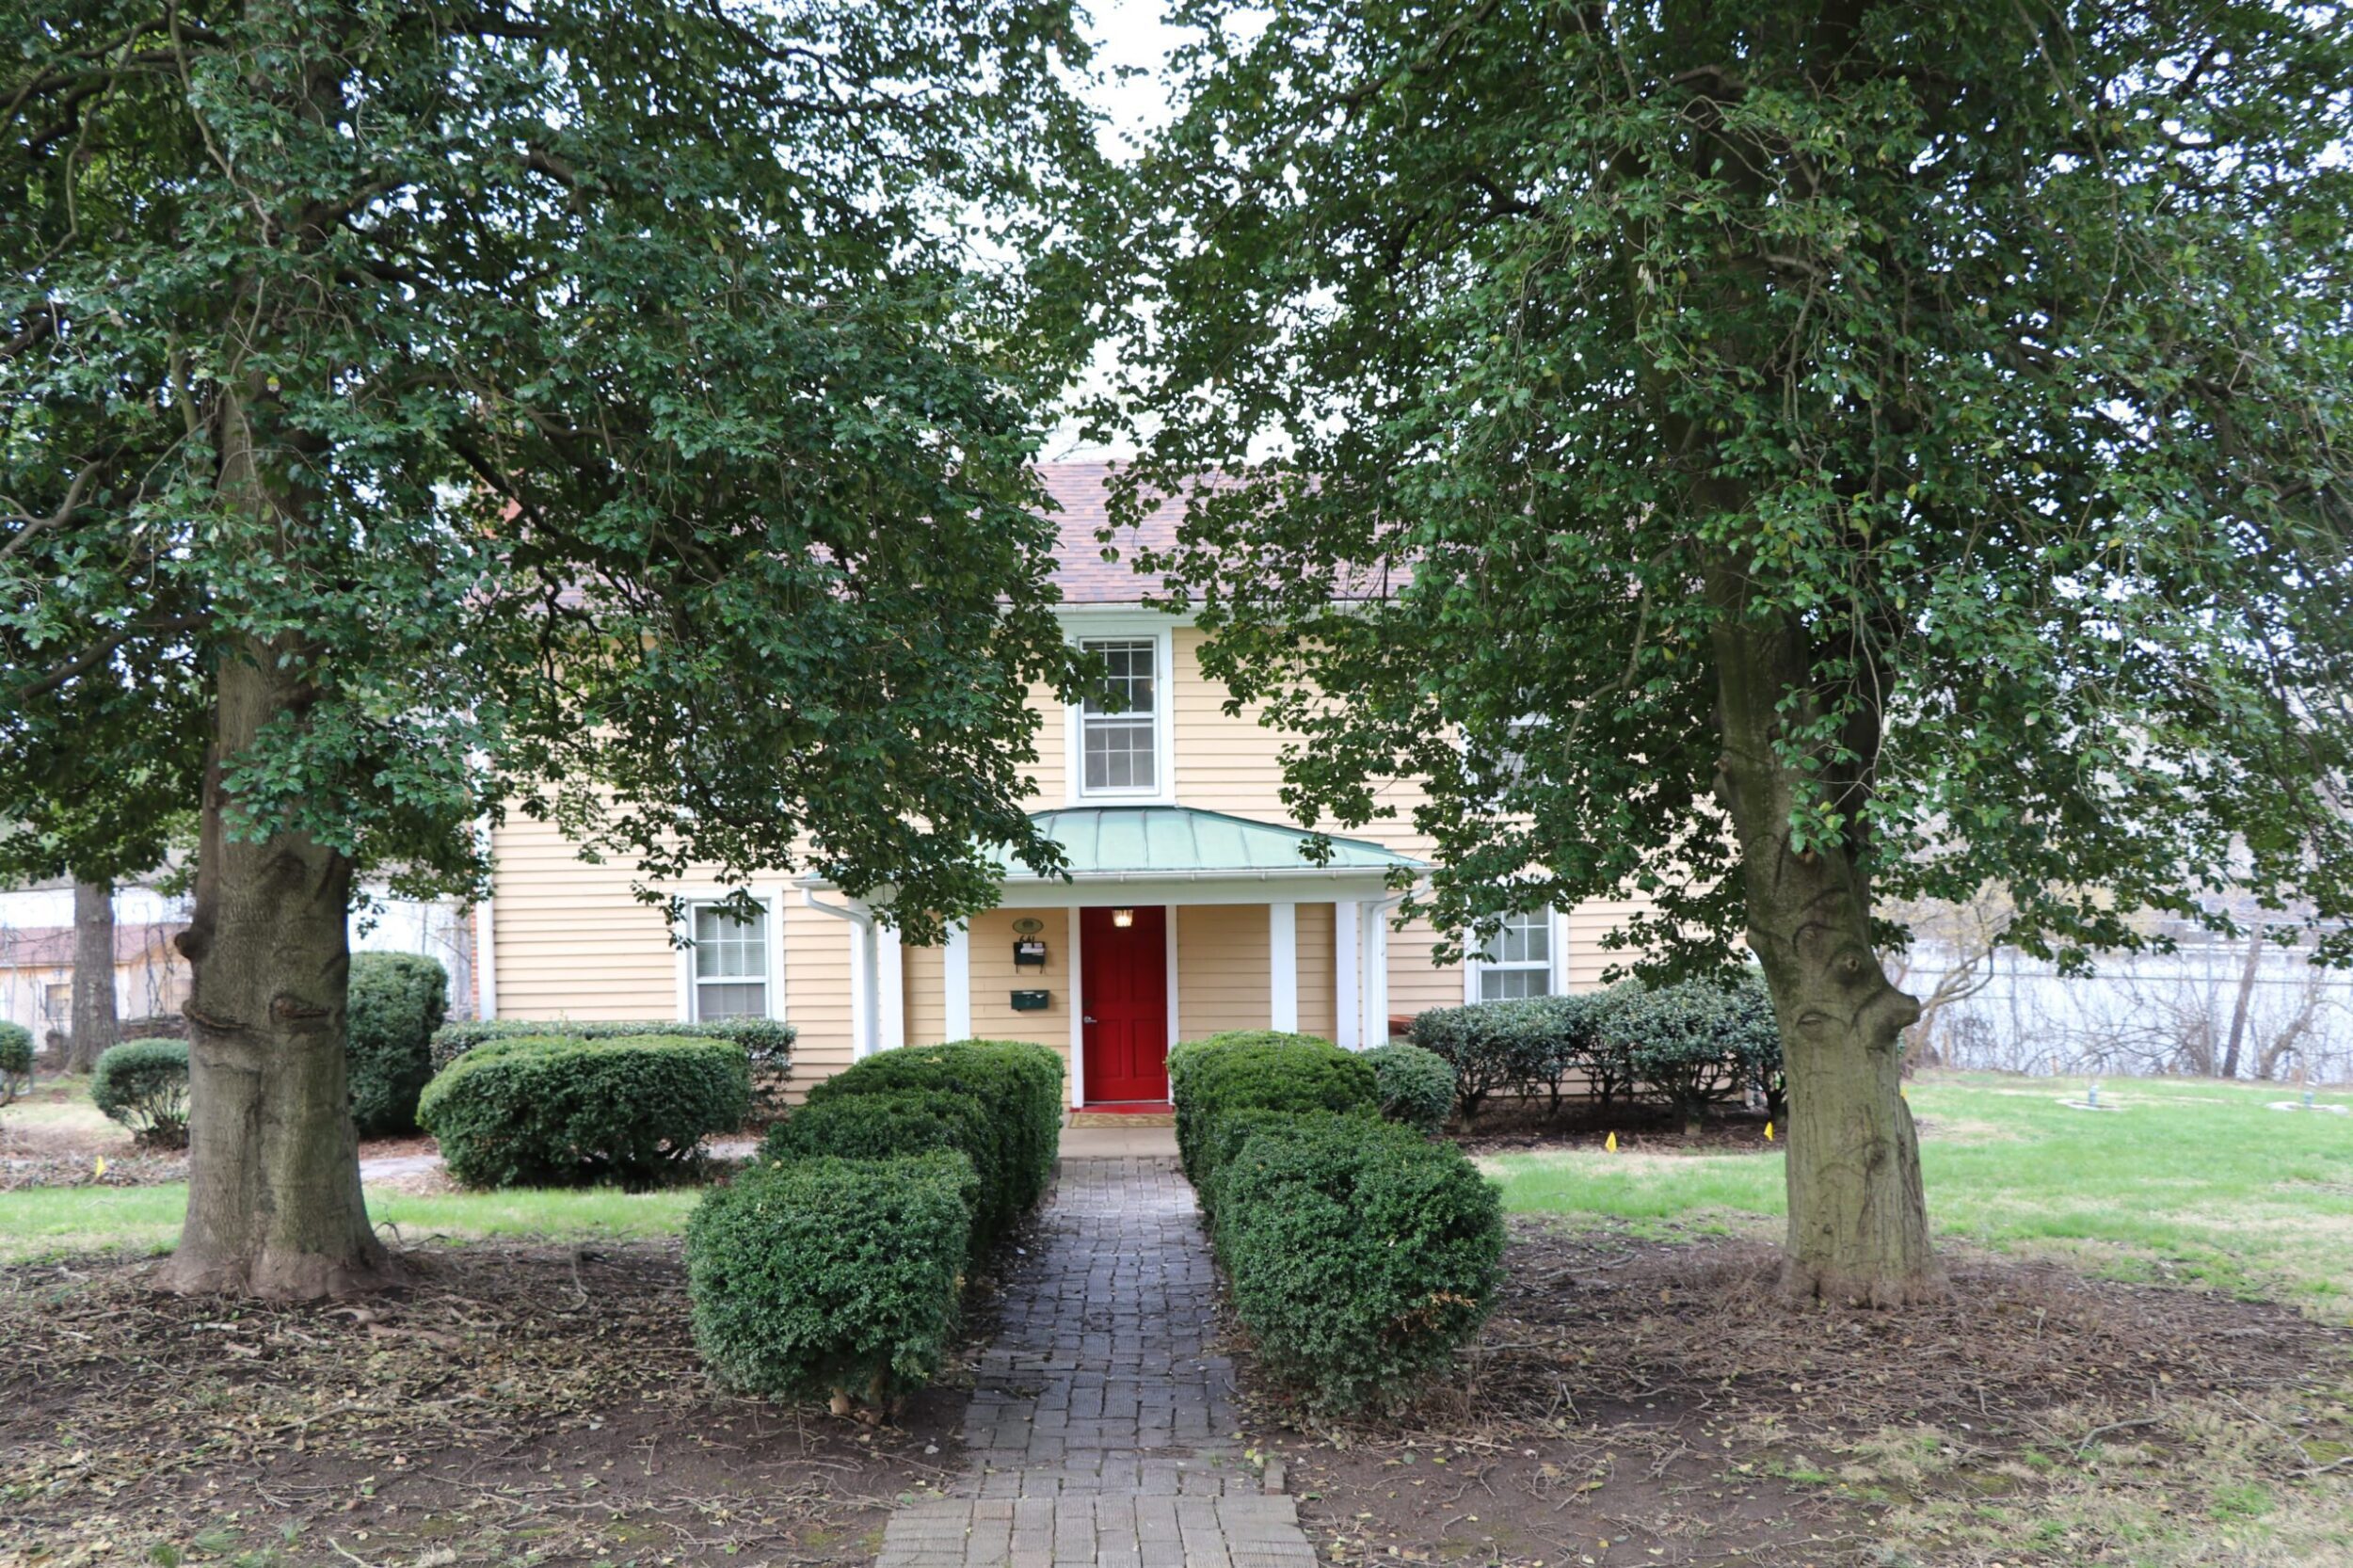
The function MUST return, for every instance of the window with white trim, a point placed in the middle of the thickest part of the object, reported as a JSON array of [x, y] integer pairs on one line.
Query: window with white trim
[[731, 964], [1518, 962], [1119, 727]]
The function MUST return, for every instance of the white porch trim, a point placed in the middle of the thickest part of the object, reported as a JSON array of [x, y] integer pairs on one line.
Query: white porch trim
[[1282, 926], [1347, 966], [956, 978]]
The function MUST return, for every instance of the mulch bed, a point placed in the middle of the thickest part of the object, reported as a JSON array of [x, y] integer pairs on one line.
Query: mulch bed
[[1509, 1129], [507, 1403], [1640, 1402]]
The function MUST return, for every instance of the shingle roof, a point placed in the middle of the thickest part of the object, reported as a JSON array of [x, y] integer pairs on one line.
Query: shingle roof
[[1179, 841], [1080, 571]]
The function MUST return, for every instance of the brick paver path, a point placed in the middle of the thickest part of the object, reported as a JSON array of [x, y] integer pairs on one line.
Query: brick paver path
[[1100, 1431]]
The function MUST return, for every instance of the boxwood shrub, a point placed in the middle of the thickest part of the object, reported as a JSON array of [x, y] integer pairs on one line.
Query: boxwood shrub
[[886, 1124], [1259, 1069], [1696, 1044], [144, 1085], [397, 999], [16, 1060], [767, 1042], [1416, 1086], [1360, 1254], [1520, 1047], [561, 1111], [831, 1278], [1016, 1084]]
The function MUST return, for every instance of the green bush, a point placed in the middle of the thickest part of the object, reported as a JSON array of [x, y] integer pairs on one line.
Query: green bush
[[1523, 1048], [1016, 1084], [397, 999], [1261, 1069], [144, 1085], [1360, 1254], [1230, 1133], [16, 1061], [767, 1042], [889, 1124], [1416, 1086], [559, 1111], [1696, 1043], [831, 1278]]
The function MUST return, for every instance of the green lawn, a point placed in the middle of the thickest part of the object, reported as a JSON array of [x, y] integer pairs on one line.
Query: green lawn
[[48, 1221], [2187, 1180]]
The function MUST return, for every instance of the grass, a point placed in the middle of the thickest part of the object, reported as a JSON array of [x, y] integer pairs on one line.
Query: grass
[[51, 1222], [2188, 1180]]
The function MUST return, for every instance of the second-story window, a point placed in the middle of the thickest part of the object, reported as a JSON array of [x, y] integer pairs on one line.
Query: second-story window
[[1119, 727]]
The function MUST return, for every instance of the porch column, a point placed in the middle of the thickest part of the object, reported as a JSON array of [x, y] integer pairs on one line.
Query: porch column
[[863, 1032], [890, 986], [955, 973], [1347, 959], [1282, 931], [1376, 950]]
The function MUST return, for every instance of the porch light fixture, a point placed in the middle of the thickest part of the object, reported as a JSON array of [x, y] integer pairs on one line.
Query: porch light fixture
[[1122, 917]]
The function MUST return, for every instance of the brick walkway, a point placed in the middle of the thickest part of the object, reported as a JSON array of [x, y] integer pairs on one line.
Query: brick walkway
[[1101, 1427]]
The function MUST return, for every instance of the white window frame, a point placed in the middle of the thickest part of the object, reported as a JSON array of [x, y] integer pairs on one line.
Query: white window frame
[[771, 903], [1126, 629], [1555, 960]]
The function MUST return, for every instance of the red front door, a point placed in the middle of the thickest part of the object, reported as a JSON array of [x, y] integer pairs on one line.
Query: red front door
[[1122, 985]]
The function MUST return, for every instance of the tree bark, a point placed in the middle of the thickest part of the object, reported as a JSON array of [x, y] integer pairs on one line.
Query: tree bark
[[1858, 1216], [94, 1026], [273, 1202], [2243, 1003]]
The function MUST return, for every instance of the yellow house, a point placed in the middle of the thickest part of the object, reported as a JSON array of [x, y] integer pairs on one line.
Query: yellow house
[[1190, 908]]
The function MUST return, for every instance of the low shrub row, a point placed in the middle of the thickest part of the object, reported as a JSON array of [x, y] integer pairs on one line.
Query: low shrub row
[[832, 1268], [144, 1085], [395, 1002], [16, 1061], [767, 1043], [1360, 1252], [556, 1109], [1689, 1046]]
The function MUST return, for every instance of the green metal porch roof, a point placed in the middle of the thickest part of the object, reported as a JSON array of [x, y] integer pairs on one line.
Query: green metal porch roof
[[1181, 842]]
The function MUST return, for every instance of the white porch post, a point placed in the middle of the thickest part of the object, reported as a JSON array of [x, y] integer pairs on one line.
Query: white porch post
[[1282, 927], [862, 1000], [956, 975], [1376, 950], [1348, 958], [890, 988]]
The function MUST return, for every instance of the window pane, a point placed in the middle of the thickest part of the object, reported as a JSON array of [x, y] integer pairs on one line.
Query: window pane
[[728, 948], [1128, 677], [729, 999], [1511, 985], [1119, 754]]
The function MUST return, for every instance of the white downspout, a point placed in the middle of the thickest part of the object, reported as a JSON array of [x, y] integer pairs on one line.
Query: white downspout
[[865, 998]]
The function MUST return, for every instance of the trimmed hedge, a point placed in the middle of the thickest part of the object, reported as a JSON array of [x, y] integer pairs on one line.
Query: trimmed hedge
[[1360, 1254], [546, 1111], [833, 1267], [1259, 1069], [890, 1123], [1519, 1048], [1016, 1084], [396, 1003], [144, 1085], [831, 1278], [1698, 1043], [16, 1060], [1416, 1086], [767, 1041]]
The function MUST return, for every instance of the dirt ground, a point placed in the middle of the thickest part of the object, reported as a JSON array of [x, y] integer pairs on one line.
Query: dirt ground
[[510, 1403], [1638, 1401], [1510, 1128]]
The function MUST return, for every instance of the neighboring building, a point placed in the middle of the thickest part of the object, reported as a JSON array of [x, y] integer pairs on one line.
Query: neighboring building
[[37, 973], [1191, 909]]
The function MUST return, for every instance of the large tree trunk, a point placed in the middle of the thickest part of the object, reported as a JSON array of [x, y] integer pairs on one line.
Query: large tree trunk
[[273, 1202], [93, 1021], [1858, 1218]]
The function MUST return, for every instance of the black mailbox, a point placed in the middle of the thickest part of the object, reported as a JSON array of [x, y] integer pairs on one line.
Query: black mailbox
[[1029, 950], [1030, 1001]]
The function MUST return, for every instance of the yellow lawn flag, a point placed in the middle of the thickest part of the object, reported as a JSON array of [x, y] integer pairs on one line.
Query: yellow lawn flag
[[1612, 1144], [1768, 1132]]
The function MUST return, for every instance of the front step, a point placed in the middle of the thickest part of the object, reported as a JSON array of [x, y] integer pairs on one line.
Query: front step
[[1123, 1118]]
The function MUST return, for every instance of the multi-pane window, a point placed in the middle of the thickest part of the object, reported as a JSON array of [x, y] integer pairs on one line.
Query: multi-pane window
[[1119, 727], [731, 964], [1518, 963], [57, 1002]]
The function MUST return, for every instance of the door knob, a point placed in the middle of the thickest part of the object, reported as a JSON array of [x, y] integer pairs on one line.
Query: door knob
[[1090, 1018]]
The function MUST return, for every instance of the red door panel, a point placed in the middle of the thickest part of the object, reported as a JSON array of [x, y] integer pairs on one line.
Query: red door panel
[[1123, 987]]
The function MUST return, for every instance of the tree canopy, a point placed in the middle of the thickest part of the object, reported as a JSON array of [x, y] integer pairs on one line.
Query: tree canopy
[[641, 428], [1762, 458]]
